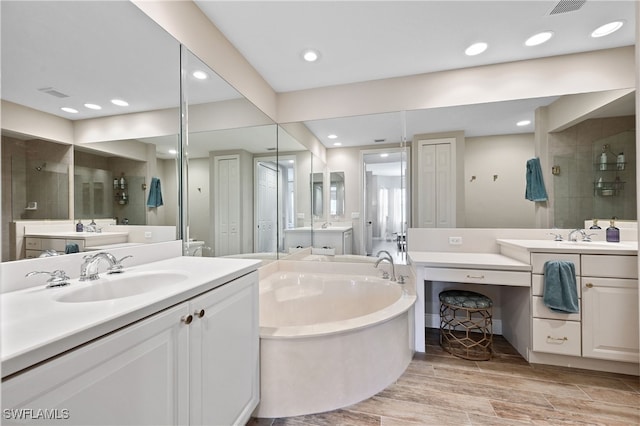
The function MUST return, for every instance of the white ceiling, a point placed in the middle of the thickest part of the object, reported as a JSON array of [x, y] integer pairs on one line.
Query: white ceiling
[[96, 50]]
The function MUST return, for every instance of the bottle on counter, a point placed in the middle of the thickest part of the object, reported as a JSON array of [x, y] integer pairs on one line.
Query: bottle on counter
[[79, 226], [613, 233], [620, 161], [603, 159], [595, 225]]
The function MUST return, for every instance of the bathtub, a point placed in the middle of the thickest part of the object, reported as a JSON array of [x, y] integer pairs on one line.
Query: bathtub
[[329, 340]]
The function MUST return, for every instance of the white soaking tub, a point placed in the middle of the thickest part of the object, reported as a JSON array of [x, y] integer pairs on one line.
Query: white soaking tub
[[330, 340]]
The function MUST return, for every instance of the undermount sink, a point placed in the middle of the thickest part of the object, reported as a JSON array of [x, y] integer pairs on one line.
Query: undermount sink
[[117, 286]]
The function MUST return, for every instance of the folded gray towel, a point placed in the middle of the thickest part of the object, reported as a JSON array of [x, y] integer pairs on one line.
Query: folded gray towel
[[71, 248], [560, 289]]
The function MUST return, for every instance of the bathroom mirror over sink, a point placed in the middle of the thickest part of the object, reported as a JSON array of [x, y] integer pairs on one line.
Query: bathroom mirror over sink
[[77, 156]]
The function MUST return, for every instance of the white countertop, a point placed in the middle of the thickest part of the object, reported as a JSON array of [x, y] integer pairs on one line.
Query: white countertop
[[593, 247], [329, 229], [35, 326], [490, 261], [75, 235]]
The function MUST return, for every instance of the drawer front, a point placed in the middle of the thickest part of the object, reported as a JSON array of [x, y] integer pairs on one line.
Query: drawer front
[[33, 243], [31, 254], [556, 337], [539, 259], [479, 276], [609, 266], [537, 285], [56, 244], [541, 311]]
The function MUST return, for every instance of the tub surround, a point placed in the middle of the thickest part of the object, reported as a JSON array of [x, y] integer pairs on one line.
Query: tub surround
[[320, 367], [506, 263]]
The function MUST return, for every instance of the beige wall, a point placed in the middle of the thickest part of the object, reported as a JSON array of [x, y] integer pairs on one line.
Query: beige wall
[[498, 203]]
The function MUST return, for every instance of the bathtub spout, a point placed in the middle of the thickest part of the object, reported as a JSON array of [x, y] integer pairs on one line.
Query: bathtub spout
[[390, 260]]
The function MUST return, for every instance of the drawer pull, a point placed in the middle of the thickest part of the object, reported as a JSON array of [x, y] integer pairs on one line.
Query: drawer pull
[[476, 277], [556, 339], [199, 313], [588, 285], [187, 319]]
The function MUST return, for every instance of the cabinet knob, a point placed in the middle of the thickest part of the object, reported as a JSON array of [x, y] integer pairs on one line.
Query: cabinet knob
[[588, 285], [199, 313], [187, 319]]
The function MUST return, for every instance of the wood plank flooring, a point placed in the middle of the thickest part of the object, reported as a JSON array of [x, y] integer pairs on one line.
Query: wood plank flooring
[[440, 389]]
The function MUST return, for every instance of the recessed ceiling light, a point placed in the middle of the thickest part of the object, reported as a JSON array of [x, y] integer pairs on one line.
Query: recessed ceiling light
[[337, 144], [69, 110], [200, 75], [333, 136], [310, 55], [93, 106], [172, 152], [607, 29], [523, 123], [292, 161], [539, 38], [384, 155], [476, 49], [119, 102]]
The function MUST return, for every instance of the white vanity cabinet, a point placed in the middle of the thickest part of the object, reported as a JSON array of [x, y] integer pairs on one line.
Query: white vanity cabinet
[[339, 239], [194, 363], [610, 307], [553, 332]]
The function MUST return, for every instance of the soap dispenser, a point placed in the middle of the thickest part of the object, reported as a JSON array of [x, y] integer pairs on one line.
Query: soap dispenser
[[595, 224], [79, 226], [613, 233]]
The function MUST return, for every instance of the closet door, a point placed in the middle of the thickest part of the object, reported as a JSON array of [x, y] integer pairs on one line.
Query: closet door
[[436, 193], [227, 202]]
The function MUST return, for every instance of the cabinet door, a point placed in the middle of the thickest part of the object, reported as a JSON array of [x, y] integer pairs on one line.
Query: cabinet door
[[224, 350], [610, 319], [138, 375]]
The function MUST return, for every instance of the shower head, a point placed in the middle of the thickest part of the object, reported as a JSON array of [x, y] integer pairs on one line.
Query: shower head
[[39, 168]]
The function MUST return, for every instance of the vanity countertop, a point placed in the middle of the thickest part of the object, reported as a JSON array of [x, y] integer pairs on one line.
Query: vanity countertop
[[462, 260], [319, 229], [76, 235], [36, 326], [591, 247]]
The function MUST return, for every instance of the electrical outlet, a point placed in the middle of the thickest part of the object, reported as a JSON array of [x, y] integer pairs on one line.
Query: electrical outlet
[[147, 234], [455, 241]]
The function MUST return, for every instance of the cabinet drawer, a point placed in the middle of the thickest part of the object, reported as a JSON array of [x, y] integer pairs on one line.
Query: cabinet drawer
[[537, 285], [609, 266], [56, 244], [31, 254], [33, 243], [479, 276], [539, 259], [541, 311], [557, 337]]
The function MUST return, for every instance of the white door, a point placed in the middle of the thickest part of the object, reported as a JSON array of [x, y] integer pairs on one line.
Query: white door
[[266, 207], [224, 351], [436, 187], [137, 376], [227, 206]]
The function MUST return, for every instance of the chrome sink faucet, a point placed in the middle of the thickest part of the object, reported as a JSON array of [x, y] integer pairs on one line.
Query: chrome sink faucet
[[89, 268], [573, 235], [387, 258]]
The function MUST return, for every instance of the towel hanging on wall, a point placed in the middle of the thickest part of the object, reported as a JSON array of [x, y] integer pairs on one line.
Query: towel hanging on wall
[[155, 193], [535, 190]]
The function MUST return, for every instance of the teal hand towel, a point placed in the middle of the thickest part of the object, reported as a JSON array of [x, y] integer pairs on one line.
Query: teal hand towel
[[155, 193], [535, 190], [560, 289], [71, 248]]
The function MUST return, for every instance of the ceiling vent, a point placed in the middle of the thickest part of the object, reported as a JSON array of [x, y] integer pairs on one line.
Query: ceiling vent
[[565, 6], [53, 92], [379, 140]]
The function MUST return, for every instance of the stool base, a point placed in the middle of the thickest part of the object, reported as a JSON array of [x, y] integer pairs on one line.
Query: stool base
[[465, 332]]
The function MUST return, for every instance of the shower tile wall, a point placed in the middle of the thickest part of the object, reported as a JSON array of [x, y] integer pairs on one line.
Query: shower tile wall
[[575, 151]]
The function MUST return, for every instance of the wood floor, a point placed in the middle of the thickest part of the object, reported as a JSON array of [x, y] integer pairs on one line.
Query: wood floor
[[439, 389]]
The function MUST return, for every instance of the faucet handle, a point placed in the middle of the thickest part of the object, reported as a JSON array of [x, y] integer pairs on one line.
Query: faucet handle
[[385, 275], [557, 237], [57, 278], [587, 237], [116, 268]]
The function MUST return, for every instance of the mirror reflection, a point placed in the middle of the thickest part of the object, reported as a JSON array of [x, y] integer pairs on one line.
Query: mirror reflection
[[317, 195], [336, 193]]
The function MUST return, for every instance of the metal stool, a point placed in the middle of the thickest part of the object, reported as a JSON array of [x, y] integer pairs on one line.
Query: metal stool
[[465, 324]]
